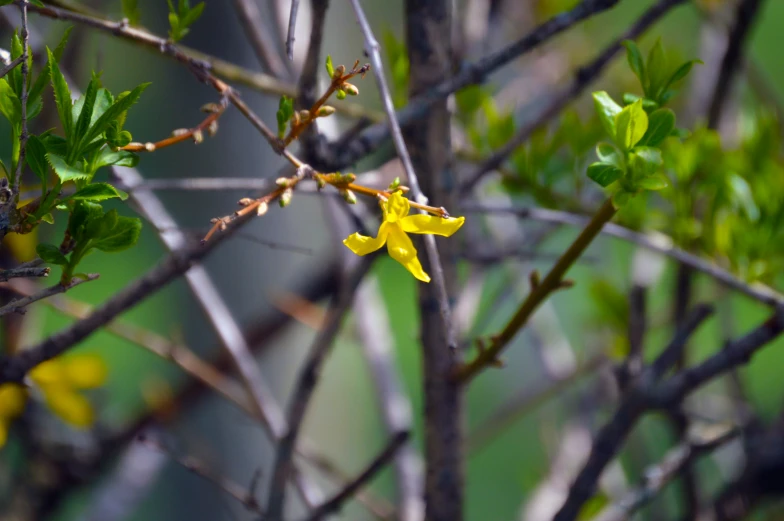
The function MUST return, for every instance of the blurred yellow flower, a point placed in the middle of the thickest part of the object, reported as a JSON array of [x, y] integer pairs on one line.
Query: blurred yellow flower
[[60, 379], [12, 402], [394, 229]]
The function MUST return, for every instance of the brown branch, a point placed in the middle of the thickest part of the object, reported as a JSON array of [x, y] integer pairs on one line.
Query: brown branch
[[10, 66], [291, 29], [18, 305], [334, 504], [15, 273], [306, 385]]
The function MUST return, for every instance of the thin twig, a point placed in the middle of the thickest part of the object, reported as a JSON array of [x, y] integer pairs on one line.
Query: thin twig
[[30, 273], [582, 79], [210, 184], [242, 494], [306, 385], [745, 17], [652, 241], [636, 402], [658, 476], [470, 74], [11, 66], [291, 29], [336, 502], [18, 305], [253, 25], [372, 47], [23, 102]]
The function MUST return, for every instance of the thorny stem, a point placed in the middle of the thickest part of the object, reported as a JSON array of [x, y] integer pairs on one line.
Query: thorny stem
[[539, 292]]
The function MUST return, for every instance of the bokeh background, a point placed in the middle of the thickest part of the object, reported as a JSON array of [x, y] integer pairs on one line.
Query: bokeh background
[[343, 420]]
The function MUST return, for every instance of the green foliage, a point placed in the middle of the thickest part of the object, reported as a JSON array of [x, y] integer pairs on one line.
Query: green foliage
[[330, 67], [397, 61], [285, 112], [182, 18], [131, 11]]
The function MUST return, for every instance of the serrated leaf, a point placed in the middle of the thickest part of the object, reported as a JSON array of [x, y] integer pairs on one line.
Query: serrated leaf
[[330, 68], [87, 103], [653, 182], [660, 124], [84, 212], [36, 158], [634, 57], [10, 105], [607, 110], [124, 235], [108, 157], [65, 171], [115, 111], [630, 125], [51, 254], [34, 96], [604, 174], [62, 94], [98, 192]]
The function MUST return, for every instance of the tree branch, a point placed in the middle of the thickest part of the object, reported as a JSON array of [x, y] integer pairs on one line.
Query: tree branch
[[253, 25]]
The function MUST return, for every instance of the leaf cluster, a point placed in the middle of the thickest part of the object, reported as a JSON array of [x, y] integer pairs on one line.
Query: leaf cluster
[[181, 18]]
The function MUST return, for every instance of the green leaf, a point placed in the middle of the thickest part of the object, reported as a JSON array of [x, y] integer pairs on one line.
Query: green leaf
[[112, 113], [645, 161], [654, 182], [742, 196], [65, 171], [109, 157], [62, 94], [51, 254], [34, 96], [657, 70], [193, 14], [660, 124], [98, 192], [48, 218], [84, 212], [285, 111], [630, 125], [500, 131], [621, 198], [607, 110], [680, 73], [604, 174], [130, 10], [470, 99], [609, 154], [36, 158], [122, 236], [85, 106], [175, 33], [10, 105], [330, 68], [635, 60]]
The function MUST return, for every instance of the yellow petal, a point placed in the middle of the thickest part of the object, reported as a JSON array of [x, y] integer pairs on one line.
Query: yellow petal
[[362, 245], [86, 371], [12, 400], [73, 408], [402, 250], [49, 372], [397, 207], [432, 224]]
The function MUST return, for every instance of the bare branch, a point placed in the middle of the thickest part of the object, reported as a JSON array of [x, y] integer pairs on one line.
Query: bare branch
[[263, 46], [291, 29], [22, 102], [306, 385], [334, 504], [18, 305], [470, 74], [11, 66], [16, 273]]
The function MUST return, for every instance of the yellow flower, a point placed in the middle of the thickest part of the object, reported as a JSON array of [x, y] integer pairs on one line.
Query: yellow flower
[[394, 229], [13, 398], [60, 380]]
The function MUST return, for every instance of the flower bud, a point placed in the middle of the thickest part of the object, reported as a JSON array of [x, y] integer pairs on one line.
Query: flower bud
[[340, 70], [211, 108], [180, 132], [394, 184], [282, 181], [325, 111], [198, 137], [351, 89], [261, 209], [304, 116], [349, 196], [149, 147], [285, 197], [245, 201], [320, 183], [212, 128]]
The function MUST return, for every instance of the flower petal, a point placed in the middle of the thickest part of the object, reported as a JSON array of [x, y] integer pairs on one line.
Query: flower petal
[[362, 245], [4, 427], [397, 207], [432, 224], [73, 408], [86, 371], [402, 250], [48, 372], [13, 398]]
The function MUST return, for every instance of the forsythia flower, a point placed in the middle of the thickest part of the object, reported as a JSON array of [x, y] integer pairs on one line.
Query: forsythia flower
[[58, 380], [396, 224]]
